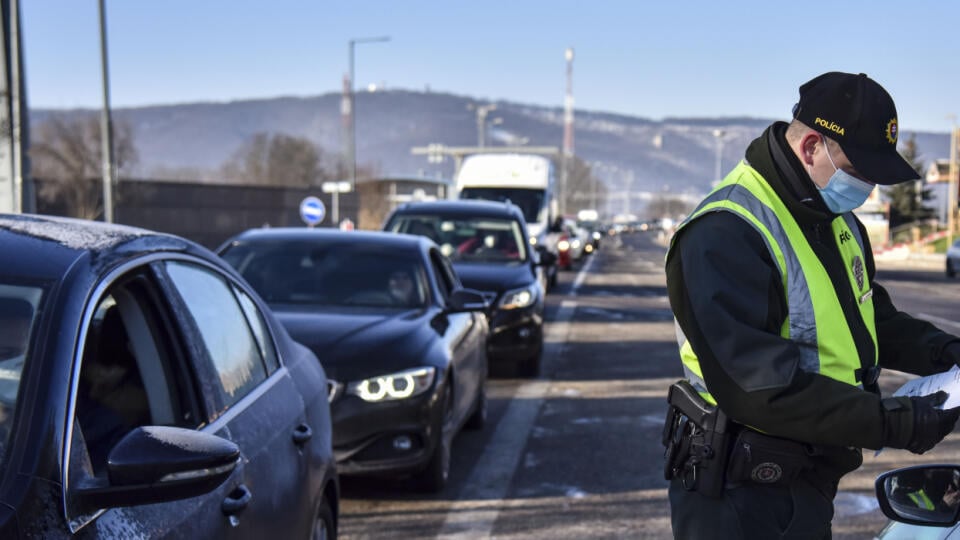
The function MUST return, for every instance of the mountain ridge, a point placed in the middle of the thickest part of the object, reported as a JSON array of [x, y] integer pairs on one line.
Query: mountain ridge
[[673, 154]]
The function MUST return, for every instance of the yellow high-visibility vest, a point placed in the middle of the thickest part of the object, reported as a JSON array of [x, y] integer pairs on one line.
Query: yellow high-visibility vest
[[815, 320]]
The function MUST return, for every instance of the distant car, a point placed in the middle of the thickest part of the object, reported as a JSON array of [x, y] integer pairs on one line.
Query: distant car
[[404, 342], [572, 243], [953, 259], [146, 391], [594, 232], [923, 502], [487, 243]]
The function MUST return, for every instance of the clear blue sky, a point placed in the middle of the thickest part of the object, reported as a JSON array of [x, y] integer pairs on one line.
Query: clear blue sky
[[654, 59]]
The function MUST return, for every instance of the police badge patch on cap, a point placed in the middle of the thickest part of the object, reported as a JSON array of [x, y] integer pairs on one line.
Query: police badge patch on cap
[[766, 473], [892, 131]]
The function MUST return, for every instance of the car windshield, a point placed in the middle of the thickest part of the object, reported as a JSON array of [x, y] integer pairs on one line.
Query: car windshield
[[18, 315], [468, 239], [313, 274], [530, 201]]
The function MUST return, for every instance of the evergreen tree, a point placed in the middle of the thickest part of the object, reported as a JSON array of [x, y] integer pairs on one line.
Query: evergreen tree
[[909, 200]]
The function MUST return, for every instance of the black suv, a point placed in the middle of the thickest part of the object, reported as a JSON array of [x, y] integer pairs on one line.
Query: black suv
[[488, 246]]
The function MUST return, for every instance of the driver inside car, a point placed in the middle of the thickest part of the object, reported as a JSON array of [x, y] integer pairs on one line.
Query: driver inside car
[[400, 286]]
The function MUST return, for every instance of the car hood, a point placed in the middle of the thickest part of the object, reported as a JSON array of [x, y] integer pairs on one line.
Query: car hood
[[494, 277], [355, 345]]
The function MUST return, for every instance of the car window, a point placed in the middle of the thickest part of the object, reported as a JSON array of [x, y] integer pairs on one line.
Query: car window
[[473, 239], [530, 201], [299, 274], [223, 327], [18, 314], [130, 374], [259, 327]]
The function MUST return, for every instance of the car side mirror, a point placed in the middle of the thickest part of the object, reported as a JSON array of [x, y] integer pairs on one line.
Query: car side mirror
[[462, 300], [547, 257], [922, 495], [153, 464]]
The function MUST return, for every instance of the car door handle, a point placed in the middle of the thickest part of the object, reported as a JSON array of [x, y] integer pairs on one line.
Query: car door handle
[[238, 499], [302, 434]]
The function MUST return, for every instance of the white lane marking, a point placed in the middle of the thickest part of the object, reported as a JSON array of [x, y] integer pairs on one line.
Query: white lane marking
[[937, 320], [491, 477], [582, 275]]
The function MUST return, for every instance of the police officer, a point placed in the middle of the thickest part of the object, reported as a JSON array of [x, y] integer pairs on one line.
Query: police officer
[[782, 326]]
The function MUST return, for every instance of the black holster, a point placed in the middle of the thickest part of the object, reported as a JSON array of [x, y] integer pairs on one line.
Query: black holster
[[697, 437]]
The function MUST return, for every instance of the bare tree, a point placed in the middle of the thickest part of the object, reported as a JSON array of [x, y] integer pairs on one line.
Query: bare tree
[[65, 152], [665, 206], [275, 159], [583, 189]]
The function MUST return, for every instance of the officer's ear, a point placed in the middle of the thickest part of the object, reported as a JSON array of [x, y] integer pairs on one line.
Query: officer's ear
[[808, 147]]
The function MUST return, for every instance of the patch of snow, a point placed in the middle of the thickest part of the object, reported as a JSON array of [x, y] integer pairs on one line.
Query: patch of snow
[[72, 233], [852, 504]]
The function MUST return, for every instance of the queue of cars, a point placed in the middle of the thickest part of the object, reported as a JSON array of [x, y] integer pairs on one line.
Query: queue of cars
[[148, 384]]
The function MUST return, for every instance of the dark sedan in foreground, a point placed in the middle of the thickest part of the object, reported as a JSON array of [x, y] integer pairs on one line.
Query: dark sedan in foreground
[[487, 243], [146, 392], [392, 326]]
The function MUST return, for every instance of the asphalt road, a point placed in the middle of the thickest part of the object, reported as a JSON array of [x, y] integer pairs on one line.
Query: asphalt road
[[576, 452]]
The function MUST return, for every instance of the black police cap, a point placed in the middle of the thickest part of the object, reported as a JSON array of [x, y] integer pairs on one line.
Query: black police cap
[[860, 115]]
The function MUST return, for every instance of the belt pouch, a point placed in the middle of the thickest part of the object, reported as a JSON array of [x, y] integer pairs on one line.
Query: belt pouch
[[766, 460]]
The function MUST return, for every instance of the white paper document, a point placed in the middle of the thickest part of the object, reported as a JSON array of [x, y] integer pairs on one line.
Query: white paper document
[[948, 381]]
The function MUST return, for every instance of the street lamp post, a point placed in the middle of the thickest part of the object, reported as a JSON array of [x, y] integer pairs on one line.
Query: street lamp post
[[106, 126], [482, 112], [952, 183], [352, 140], [719, 133], [567, 131]]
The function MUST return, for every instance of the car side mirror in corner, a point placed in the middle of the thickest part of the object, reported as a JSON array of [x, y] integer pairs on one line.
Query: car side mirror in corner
[[466, 300], [153, 464], [922, 495]]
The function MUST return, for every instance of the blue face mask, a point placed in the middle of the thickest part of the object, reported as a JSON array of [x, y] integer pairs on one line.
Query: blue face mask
[[844, 192]]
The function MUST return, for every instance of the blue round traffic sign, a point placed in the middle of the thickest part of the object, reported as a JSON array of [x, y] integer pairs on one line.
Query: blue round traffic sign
[[312, 210]]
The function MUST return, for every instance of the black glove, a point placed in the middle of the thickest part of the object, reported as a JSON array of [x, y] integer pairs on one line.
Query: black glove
[[950, 355], [930, 425]]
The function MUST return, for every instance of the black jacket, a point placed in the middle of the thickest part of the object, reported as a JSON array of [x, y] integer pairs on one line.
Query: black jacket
[[726, 294]]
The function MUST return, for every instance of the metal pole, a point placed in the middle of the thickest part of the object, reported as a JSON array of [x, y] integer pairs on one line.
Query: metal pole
[[106, 129], [352, 158], [567, 131], [718, 133], [335, 210], [952, 184], [593, 192], [21, 190], [482, 127]]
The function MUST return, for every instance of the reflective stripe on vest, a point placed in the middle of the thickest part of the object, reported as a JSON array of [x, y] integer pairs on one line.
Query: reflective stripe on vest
[[815, 320], [921, 500]]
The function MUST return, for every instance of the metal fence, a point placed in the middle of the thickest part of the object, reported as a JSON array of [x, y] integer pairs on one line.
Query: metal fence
[[205, 213]]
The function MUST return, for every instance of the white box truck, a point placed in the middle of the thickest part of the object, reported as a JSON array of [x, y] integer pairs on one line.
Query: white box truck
[[528, 181]]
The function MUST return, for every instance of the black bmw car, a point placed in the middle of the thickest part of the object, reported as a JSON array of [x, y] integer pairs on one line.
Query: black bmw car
[[487, 243], [389, 320], [146, 392]]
